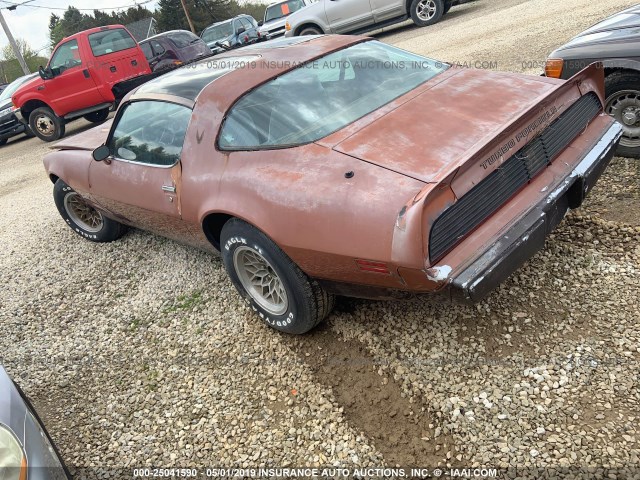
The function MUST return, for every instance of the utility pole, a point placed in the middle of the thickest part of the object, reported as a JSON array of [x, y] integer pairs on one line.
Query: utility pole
[[14, 45], [186, 12]]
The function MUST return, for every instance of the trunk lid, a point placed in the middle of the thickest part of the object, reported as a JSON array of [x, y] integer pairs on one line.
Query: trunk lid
[[429, 136]]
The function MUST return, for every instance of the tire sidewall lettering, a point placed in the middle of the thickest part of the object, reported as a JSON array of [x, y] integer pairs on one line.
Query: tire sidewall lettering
[[289, 316]]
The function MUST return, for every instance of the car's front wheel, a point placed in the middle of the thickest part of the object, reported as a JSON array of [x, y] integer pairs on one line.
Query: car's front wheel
[[97, 117], [622, 90], [83, 219], [46, 124], [426, 12], [281, 294], [310, 30]]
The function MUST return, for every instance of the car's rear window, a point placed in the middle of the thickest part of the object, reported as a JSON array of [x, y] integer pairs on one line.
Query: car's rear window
[[217, 32], [183, 39], [323, 96], [110, 41]]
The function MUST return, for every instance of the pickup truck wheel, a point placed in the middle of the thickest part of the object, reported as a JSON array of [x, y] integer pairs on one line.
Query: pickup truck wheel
[[310, 30], [46, 125], [97, 117], [83, 219], [282, 295], [426, 12], [3, 141], [623, 103]]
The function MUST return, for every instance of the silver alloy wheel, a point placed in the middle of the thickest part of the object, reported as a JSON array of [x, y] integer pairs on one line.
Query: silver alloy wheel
[[45, 125], [426, 10], [260, 280], [83, 214], [624, 106]]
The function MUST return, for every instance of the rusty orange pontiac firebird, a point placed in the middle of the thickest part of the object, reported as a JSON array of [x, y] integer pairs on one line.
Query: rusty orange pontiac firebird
[[338, 165]]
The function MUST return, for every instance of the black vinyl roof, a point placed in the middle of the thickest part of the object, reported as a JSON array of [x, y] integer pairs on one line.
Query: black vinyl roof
[[188, 81]]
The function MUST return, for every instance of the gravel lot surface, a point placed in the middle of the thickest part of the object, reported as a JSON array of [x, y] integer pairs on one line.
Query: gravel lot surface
[[140, 353]]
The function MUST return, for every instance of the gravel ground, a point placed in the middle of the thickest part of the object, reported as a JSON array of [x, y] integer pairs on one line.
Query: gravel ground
[[140, 353]]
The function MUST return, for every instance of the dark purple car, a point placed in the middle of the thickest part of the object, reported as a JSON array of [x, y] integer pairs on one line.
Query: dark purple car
[[169, 49]]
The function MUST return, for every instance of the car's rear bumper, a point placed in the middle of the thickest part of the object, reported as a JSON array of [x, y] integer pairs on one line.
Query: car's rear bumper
[[528, 235]]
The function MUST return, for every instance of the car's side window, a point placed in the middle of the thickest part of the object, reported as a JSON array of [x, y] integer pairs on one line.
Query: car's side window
[[157, 47], [150, 132], [146, 49], [246, 23], [67, 56]]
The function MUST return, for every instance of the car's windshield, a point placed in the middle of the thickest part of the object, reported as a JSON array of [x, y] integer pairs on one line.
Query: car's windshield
[[324, 96], [282, 10], [217, 32], [13, 86]]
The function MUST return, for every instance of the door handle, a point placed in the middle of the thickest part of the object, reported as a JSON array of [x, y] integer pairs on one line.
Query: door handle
[[169, 188]]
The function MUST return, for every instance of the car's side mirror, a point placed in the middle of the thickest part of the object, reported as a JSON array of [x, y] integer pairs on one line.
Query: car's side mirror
[[260, 23], [45, 73], [240, 30], [101, 153]]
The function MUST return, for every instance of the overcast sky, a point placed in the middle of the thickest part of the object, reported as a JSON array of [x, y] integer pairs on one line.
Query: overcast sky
[[31, 21]]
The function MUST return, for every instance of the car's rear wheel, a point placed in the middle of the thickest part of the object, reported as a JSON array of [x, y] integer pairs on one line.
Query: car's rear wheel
[[310, 30], [282, 295], [46, 125], [623, 103], [83, 219], [426, 12], [97, 117]]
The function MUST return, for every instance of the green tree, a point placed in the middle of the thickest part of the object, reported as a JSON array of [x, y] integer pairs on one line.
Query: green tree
[[74, 21], [23, 46], [170, 14]]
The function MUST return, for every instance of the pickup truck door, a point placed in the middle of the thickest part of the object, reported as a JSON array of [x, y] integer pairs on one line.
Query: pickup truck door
[[72, 87], [384, 10], [348, 15], [140, 184]]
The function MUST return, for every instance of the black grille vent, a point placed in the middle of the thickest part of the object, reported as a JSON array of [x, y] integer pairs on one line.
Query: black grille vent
[[500, 185]]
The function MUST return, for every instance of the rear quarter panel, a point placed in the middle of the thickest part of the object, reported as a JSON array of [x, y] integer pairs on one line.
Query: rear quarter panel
[[301, 199]]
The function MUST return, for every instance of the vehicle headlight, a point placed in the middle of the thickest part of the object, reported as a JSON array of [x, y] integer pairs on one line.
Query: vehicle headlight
[[553, 67], [12, 459]]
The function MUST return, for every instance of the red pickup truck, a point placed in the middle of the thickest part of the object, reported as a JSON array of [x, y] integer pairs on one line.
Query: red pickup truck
[[86, 76]]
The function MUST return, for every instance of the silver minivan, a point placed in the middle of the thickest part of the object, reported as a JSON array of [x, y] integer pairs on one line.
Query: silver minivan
[[358, 16]]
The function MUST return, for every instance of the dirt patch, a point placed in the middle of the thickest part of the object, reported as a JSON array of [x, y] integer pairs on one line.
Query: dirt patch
[[402, 431]]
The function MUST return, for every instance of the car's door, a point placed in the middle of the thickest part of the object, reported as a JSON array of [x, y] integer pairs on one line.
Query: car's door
[[348, 15], [250, 29], [72, 81], [139, 184], [149, 54], [384, 10]]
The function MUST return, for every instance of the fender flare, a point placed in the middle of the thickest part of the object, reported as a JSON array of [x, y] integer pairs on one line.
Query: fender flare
[[34, 98]]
